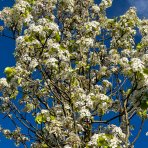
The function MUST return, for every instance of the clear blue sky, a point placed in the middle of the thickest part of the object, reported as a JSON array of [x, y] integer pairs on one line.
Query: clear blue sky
[[7, 47]]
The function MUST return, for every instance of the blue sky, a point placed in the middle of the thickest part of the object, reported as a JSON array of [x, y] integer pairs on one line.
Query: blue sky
[[7, 47], [142, 7]]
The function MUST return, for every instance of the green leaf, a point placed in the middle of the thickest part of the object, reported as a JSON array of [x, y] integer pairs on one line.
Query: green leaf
[[9, 70], [145, 70], [29, 38], [144, 104], [88, 67], [62, 48], [40, 118], [19, 80], [101, 141], [52, 117], [72, 41], [109, 136], [44, 145], [31, 1], [57, 37], [14, 94], [142, 114], [139, 46], [29, 107]]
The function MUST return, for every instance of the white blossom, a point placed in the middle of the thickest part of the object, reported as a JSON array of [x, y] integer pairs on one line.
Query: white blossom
[[3, 83], [96, 8], [136, 64], [84, 112]]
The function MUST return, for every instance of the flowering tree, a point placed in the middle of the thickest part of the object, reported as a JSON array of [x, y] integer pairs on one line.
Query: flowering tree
[[79, 77]]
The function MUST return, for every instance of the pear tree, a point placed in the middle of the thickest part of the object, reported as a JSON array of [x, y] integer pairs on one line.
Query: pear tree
[[80, 78]]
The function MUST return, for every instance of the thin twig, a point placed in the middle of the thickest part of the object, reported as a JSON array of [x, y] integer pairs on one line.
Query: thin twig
[[140, 130]]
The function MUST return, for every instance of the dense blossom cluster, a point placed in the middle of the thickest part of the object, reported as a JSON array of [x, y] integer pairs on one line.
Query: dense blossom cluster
[[74, 65], [112, 138]]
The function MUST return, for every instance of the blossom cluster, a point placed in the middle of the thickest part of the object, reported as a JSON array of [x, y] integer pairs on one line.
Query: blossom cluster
[[112, 138]]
